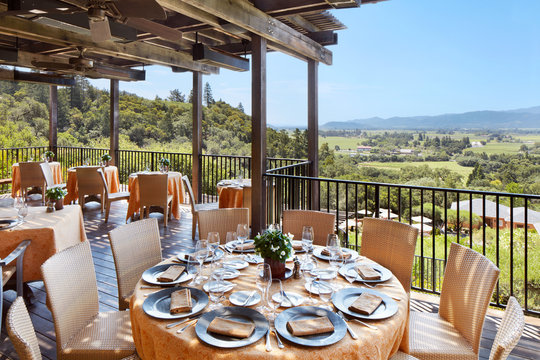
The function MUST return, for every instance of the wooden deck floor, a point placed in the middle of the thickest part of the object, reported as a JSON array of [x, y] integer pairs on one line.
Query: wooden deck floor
[[174, 238]]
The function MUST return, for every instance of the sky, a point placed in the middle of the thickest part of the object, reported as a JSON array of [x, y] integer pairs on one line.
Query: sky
[[396, 58]]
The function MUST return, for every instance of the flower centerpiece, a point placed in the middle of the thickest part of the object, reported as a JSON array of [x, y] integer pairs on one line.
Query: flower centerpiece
[[275, 248], [48, 155], [56, 197], [105, 159], [164, 164]]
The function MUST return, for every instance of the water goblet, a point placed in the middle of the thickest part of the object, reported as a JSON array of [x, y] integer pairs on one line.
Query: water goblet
[[213, 244], [332, 244], [307, 268], [242, 232], [201, 254], [263, 282], [229, 244], [18, 202], [307, 240], [23, 212], [216, 288], [275, 298], [325, 293]]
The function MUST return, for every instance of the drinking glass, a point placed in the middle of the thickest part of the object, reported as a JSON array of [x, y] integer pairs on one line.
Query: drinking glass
[[307, 240], [229, 245], [325, 293], [336, 262], [23, 212], [18, 203], [242, 232], [332, 243], [213, 244], [201, 254], [307, 268], [216, 289], [263, 282], [275, 298]]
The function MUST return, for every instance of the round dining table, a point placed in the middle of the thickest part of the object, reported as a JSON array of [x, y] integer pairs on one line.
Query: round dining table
[[56, 169], [175, 187], [111, 177], [154, 341]]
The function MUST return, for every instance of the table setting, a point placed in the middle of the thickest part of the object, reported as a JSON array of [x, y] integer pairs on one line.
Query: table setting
[[218, 310]]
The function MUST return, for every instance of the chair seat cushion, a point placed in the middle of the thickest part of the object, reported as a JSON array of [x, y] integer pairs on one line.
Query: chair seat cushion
[[7, 273], [431, 337], [119, 195], [107, 336], [402, 356], [206, 206]]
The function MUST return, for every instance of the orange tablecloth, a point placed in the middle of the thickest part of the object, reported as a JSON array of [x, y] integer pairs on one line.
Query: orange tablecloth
[[154, 341], [235, 196], [111, 176], [49, 233], [56, 169], [175, 187]]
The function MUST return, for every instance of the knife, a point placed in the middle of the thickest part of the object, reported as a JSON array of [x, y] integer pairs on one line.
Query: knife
[[284, 294], [249, 297], [351, 332]]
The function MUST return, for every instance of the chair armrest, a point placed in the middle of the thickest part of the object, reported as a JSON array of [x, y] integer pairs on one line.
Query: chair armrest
[[19, 251]]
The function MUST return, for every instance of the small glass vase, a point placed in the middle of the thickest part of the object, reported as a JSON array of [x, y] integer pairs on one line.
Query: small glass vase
[[50, 206], [278, 268]]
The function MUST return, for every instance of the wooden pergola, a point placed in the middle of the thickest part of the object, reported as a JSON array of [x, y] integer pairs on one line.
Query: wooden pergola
[[57, 38]]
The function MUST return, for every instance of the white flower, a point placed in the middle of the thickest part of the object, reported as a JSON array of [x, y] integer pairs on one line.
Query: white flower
[[283, 253], [291, 236]]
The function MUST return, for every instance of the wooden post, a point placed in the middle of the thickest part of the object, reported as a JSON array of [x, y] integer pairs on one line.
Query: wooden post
[[313, 131], [196, 173], [53, 118], [114, 114], [258, 133]]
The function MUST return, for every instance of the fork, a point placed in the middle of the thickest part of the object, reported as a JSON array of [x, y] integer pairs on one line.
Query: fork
[[351, 332], [279, 343], [366, 325], [378, 284]]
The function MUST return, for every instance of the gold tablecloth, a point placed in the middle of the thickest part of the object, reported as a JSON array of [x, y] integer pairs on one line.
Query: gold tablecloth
[[56, 169], [49, 233], [154, 341], [234, 196], [175, 188], [111, 176]]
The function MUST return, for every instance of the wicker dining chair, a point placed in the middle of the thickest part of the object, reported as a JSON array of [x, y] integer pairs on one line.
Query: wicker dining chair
[[109, 198], [455, 331], [82, 332], [402, 356], [323, 223], [512, 326], [89, 184], [222, 221], [135, 248], [195, 208], [22, 334], [32, 176], [48, 176], [153, 191], [8, 270]]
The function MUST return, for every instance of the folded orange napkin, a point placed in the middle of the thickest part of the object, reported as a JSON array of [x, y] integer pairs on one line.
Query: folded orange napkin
[[367, 272], [345, 255], [366, 304], [314, 326], [232, 328], [180, 301], [171, 274], [247, 246]]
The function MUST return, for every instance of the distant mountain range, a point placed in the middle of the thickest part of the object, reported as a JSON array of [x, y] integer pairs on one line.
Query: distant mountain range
[[528, 118]]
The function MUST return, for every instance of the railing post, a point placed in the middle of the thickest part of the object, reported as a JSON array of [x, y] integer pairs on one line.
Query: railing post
[[53, 119], [114, 115], [313, 130], [196, 174], [377, 201]]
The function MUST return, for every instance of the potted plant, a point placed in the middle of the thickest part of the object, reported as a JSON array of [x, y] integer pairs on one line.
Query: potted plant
[[105, 159], [275, 248], [56, 196], [164, 164], [48, 155]]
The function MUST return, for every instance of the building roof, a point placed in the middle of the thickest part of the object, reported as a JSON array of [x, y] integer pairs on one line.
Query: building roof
[[477, 208], [519, 216]]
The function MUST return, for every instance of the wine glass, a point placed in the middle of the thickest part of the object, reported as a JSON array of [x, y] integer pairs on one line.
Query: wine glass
[[242, 232], [23, 212], [307, 240], [216, 288], [336, 262], [325, 293], [263, 282], [18, 203], [229, 244], [213, 244], [275, 298], [332, 244], [201, 254], [307, 268]]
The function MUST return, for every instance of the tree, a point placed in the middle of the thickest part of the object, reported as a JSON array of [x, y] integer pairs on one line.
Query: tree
[[241, 107], [208, 99], [176, 95]]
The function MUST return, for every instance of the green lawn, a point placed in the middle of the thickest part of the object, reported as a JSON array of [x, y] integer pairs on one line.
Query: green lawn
[[452, 165], [498, 148], [344, 143]]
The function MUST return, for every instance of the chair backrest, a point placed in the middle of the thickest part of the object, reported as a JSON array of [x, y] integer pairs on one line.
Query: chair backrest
[[103, 181], [89, 180], [153, 189], [31, 174], [323, 223], [21, 331], [469, 279], [190, 192], [70, 281], [510, 331], [135, 247], [222, 221], [47, 173], [391, 244]]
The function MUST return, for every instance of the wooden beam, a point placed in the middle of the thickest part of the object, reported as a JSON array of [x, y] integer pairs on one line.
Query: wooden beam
[[313, 130], [258, 133], [325, 38], [245, 15], [16, 75], [139, 52], [196, 172], [302, 22], [53, 118], [219, 58], [114, 120]]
